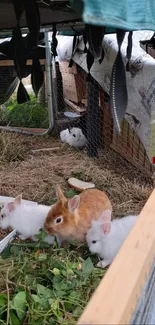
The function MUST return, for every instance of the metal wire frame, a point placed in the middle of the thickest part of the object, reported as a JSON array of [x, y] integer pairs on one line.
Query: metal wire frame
[[49, 95]]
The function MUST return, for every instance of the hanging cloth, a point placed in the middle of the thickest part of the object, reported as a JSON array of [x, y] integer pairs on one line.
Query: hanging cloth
[[122, 14]]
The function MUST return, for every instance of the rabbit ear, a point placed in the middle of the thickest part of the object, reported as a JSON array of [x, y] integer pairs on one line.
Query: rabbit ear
[[60, 194], [18, 199], [106, 216], [106, 222], [106, 227], [11, 206], [73, 203]]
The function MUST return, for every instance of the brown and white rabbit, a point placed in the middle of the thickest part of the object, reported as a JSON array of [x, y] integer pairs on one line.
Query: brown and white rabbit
[[70, 219]]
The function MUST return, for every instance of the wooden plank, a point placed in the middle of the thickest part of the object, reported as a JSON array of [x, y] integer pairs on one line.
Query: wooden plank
[[74, 106], [9, 63], [64, 68], [35, 130], [136, 163], [115, 298]]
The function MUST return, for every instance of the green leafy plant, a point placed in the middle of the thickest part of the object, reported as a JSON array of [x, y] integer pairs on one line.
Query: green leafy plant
[[70, 193], [19, 304], [30, 114], [45, 286]]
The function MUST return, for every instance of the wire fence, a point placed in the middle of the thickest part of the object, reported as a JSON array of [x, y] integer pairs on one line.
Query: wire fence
[[82, 112], [87, 99]]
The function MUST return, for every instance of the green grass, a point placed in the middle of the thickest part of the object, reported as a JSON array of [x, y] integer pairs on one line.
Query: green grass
[[30, 114], [48, 285]]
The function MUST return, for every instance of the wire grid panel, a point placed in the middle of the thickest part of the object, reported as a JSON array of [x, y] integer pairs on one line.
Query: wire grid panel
[[8, 82], [34, 113], [127, 143], [82, 96], [88, 99], [145, 309], [70, 93]]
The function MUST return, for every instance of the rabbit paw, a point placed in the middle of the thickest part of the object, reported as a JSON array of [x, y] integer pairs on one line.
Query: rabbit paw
[[103, 264]]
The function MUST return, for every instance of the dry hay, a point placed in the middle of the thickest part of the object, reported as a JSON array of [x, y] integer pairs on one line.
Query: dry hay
[[11, 148], [37, 175]]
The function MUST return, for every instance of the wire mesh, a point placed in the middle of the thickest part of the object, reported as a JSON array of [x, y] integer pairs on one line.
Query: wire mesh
[[74, 92], [8, 82], [69, 89], [32, 114], [87, 98], [144, 312]]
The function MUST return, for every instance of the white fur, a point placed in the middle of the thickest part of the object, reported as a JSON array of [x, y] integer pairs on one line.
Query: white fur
[[108, 245], [74, 137], [26, 219], [64, 135]]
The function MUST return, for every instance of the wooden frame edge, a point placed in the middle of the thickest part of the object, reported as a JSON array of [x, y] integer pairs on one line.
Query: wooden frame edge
[[4, 63], [116, 297]]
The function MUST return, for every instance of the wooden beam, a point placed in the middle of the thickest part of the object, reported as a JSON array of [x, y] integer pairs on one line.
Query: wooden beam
[[116, 297], [74, 106], [10, 63]]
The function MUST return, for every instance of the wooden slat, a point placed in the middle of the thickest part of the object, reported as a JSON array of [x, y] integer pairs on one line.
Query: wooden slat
[[33, 130], [136, 163], [115, 298], [9, 63], [74, 107]]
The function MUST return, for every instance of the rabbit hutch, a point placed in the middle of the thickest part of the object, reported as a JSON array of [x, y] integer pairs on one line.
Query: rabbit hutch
[[99, 83]]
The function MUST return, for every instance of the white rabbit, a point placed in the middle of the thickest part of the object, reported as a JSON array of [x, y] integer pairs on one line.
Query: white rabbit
[[26, 219], [105, 237], [74, 137], [77, 138], [64, 135]]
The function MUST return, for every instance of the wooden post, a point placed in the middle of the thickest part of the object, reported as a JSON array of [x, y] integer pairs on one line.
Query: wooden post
[[116, 297]]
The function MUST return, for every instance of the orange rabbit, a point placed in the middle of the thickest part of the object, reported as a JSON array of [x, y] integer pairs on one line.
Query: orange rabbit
[[70, 219]]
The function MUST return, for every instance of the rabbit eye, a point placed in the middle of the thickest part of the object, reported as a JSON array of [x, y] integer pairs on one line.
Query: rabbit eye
[[2, 216], [59, 220], [74, 135], [93, 241]]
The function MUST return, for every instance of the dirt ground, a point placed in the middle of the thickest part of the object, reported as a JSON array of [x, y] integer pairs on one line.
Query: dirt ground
[[36, 174]]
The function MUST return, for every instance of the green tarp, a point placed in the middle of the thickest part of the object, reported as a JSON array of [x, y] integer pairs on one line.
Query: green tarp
[[123, 14]]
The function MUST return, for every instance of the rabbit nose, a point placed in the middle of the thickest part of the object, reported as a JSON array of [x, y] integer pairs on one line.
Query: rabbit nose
[[48, 229]]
